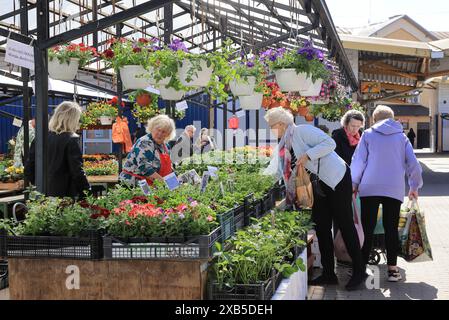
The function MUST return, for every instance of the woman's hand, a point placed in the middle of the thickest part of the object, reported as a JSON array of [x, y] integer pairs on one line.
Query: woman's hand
[[413, 195], [302, 160]]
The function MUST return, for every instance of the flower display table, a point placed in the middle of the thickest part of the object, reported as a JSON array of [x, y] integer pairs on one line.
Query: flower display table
[[107, 279]]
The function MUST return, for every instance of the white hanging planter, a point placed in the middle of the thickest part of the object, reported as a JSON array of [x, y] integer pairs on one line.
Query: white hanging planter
[[288, 80], [243, 87], [152, 81], [200, 78], [63, 71], [134, 77], [105, 120], [313, 90], [170, 93], [253, 102]]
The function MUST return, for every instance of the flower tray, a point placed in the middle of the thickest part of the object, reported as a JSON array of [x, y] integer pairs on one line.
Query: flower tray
[[239, 217], [89, 247], [197, 247], [260, 291]]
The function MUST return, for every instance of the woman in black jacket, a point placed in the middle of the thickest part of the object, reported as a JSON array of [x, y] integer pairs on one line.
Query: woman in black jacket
[[348, 136], [65, 174]]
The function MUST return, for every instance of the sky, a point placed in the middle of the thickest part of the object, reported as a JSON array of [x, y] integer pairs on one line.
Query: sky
[[433, 15]]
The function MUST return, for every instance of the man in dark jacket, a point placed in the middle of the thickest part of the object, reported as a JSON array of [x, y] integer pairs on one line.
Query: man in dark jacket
[[183, 147]]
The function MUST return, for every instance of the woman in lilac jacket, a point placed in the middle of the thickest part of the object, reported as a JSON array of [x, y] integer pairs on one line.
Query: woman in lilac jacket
[[382, 158]]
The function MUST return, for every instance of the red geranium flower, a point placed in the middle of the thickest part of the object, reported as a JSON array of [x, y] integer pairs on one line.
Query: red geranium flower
[[143, 40], [108, 54], [72, 47], [137, 49]]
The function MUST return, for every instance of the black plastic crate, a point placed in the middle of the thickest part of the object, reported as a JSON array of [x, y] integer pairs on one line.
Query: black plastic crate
[[260, 291], [3, 274], [239, 217], [227, 224], [267, 203], [258, 208], [197, 247], [86, 247]]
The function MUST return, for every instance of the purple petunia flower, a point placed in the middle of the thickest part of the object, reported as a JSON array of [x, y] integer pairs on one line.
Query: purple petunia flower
[[177, 45], [250, 64]]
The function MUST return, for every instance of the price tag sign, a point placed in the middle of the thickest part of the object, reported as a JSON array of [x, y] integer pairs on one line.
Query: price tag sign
[[143, 184], [240, 114], [19, 54], [204, 181], [171, 181], [213, 172], [182, 105], [17, 122]]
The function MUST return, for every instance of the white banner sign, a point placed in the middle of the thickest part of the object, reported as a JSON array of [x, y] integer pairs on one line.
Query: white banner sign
[[240, 113], [20, 54]]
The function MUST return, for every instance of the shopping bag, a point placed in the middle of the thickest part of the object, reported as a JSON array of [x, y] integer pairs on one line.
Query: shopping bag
[[416, 246], [304, 189], [339, 245], [379, 229]]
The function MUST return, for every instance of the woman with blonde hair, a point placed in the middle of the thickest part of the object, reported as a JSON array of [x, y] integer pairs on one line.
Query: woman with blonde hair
[[309, 147], [65, 174], [149, 158], [382, 159]]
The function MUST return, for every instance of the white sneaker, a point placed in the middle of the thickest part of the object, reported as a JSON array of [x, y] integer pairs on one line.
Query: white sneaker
[[394, 276]]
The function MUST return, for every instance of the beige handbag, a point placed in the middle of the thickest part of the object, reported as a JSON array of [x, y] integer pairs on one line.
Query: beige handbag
[[304, 189]]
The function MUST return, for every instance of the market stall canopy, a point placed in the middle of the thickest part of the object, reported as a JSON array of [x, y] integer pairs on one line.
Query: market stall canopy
[[408, 109]]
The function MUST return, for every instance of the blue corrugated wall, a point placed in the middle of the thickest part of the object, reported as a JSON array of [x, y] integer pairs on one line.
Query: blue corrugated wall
[[194, 114]]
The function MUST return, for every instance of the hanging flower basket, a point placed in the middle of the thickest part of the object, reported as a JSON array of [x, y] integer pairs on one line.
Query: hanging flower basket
[[243, 87], [63, 71], [161, 82], [252, 102], [199, 78], [134, 77], [314, 89], [289, 80], [170, 93], [105, 120]]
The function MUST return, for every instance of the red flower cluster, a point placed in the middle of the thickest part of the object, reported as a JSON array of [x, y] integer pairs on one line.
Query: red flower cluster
[[114, 101], [97, 210]]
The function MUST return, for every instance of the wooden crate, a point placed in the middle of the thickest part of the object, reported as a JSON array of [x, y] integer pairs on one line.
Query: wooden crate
[[37, 279], [12, 186]]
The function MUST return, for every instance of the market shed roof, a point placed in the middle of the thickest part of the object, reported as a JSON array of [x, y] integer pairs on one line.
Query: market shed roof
[[409, 109]]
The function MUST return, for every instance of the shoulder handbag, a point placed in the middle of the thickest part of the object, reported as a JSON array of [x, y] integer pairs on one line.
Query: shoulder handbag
[[304, 190], [317, 191]]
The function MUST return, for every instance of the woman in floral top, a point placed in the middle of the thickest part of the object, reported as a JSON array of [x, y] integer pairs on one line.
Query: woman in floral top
[[149, 158]]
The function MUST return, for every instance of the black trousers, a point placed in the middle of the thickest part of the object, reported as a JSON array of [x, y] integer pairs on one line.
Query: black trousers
[[390, 218], [337, 205]]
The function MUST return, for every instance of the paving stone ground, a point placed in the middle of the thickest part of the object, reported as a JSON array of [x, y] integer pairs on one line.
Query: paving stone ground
[[422, 281]]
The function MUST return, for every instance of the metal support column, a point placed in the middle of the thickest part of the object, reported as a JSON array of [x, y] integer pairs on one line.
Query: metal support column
[[118, 31], [168, 30], [95, 18], [225, 123], [233, 112], [26, 93], [41, 92]]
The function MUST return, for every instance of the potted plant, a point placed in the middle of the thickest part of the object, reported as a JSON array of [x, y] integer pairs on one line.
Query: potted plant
[[249, 73], [164, 66], [255, 100], [130, 58], [299, 105], [102, 111], [146, 105], [64, 60], [297, 70]]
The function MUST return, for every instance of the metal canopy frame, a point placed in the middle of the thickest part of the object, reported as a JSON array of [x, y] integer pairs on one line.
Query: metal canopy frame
[[252, 24]]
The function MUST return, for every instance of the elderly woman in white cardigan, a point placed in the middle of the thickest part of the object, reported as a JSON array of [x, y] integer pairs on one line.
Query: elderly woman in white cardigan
[[305, 145]]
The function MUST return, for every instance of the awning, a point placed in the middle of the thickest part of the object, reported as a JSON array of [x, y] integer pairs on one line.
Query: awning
[[401, 110]]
